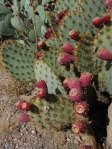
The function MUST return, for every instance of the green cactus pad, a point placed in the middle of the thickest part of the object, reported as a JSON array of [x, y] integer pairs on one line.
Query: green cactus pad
[[18, 59], [72, 21], [85, 56], [68, 4], [54, 111], [53, 41], [44, 72], [92, 9]]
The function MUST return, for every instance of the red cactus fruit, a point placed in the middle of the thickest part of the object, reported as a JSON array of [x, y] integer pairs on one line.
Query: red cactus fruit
[[57, 20], [38, 54], [109, 2], [41, 44], [79, 127], [81, 108], [65, 11], [85, 147], [106, 18], [22, 105], [85, 79], [68, 48], [41, 93], [97, 22], [74, 83], [41, 84], [60, 14], [66, 81], [76, 94], [65, 58], [49, 30], [19, 104], [104, 54], [47, 35], [22, 117], [74, 35]]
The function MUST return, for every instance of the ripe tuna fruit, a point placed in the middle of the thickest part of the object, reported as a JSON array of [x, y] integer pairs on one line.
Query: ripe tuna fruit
[[38, 54], [104, 54], [41, 44], [74, 83], [22, 117], [22, 105], [106, 18], [41, 93], [97, 22], [60, 14], [68, 48], [65, 58], [108, 3], [79, 127], [76, 94], [85, 79], [74, 35], [66, 81], [85, 147], [81, 108], [41, 84]]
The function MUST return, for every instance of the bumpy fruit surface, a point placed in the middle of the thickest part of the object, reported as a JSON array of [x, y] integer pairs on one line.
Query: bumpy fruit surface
[[68, 48], [104, 54], [42, 45], [74, 35], [85, 79], [79, 127], [65, 58], [22, 105], [97, 22], [76, 94], [41, 93], [106, 18], [41, 84], [22, 117], [81, 108], [74, 83]]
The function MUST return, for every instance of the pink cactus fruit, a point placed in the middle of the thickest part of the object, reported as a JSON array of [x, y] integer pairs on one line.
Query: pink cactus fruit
[[79, 127], [65, 58], [97, 22], [76, 94], [41, 93], [57, 20], [85, 147], [85, 79], [42, 45], [68, 48], [106, 18], [38, 54], [41, 84], [104, 54], [66, 81], [108, 4], [60, 14], [81, 108], [74, 35], [74, 83], [22, 105], [23, 117]]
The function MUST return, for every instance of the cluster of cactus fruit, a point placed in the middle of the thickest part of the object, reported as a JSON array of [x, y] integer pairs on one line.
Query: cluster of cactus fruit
[[71, 41]]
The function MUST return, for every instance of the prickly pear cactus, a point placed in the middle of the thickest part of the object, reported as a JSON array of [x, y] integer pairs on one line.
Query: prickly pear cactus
[[66, 37]]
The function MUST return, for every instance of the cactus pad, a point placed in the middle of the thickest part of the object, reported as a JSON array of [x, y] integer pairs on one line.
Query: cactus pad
[[54, 111], [18, 59]]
